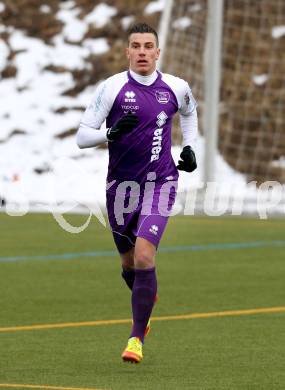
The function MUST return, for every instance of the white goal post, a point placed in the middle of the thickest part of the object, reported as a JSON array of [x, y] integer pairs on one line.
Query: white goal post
[[212, 77]]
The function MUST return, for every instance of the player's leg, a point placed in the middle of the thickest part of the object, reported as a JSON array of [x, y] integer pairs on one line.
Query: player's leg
[[128, 274], [124, 239], [145, 286], [143, 297], [149, 233]]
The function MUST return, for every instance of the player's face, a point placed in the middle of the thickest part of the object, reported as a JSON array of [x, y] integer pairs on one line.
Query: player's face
[[142, 53]]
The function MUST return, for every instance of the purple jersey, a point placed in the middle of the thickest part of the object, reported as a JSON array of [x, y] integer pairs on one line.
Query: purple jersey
[[147, 148]]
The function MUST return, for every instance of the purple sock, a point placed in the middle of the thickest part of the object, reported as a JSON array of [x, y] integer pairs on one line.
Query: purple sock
[[129, 277], [143, 296]]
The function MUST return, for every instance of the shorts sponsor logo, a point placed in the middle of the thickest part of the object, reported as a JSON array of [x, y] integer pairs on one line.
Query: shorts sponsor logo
[[162, 97], [157, 136], [130, 97], [154, 229]]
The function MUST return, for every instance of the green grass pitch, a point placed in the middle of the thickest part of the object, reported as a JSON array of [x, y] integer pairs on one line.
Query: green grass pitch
[[245, 352]]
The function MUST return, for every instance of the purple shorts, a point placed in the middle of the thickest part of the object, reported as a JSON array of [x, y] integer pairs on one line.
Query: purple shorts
[[139, 216]]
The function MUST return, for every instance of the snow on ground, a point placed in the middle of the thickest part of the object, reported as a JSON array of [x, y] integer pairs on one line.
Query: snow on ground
[[278, 32], [101, 15], [77, 180], [74, 28], [182, 23], [4, 52], [126, 21], [29, 124], [155, 6], [260, 79]]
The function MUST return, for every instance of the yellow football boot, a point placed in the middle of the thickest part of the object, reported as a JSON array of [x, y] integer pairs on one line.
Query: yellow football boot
[[133, 351]]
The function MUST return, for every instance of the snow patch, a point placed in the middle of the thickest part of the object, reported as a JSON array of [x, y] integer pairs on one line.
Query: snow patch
[[127, 21], [45, 9], [260, 79], [2, 7], [182, 23], [4, 53], [278, 32], [155, 6], [280, 163], [101, 15], [97, 46], [66, 55], [68, 5], [74, 29]]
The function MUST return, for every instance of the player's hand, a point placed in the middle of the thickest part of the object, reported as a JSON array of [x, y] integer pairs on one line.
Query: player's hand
[[188, 160], [124, 125]]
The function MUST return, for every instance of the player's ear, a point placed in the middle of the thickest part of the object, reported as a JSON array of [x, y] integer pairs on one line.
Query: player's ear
[[127, 53], [157, 53]]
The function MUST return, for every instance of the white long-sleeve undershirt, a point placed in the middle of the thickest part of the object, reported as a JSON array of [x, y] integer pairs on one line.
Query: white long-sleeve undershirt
[[88, 137], [189, 129], [145, 80]]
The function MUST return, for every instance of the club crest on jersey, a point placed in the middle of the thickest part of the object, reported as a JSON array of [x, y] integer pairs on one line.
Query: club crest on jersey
[[130, 97], [162, 97]]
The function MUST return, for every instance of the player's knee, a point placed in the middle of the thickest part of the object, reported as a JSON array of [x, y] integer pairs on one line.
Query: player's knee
[[144, 259]]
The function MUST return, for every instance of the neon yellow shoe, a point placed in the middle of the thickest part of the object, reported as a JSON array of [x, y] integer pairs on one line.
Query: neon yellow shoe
[[133, 351]]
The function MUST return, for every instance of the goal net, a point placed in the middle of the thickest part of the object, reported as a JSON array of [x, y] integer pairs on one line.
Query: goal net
[[251, 134]]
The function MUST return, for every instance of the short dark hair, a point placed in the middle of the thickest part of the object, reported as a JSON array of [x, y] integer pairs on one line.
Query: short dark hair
[[142, 28]]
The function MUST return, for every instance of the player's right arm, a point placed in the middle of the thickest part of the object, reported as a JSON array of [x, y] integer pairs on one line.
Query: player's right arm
[[91, 131]]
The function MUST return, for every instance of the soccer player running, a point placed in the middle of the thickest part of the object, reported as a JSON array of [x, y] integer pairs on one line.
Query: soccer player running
[[138, 106]]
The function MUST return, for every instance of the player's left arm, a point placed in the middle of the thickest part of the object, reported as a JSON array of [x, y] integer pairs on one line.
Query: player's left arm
[[189, 129]]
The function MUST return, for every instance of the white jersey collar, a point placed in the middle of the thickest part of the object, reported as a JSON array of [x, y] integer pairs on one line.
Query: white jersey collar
[[145, 80]]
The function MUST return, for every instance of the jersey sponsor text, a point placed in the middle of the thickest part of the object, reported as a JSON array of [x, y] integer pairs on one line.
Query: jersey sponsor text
[[157, 136]]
